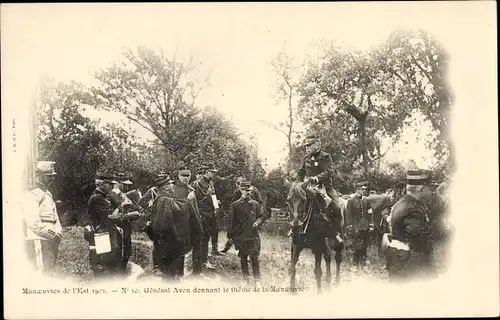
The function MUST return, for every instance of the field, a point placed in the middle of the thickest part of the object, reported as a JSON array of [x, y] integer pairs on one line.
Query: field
[[275, 257]]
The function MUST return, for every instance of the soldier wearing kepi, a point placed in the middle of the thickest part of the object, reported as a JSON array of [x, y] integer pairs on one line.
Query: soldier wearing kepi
[[317, 166], [161, 181], [409, 248], [254, 194], [175, 224], [43, 230], [105, 231], [357, 221], [246, 217], [205, 193]]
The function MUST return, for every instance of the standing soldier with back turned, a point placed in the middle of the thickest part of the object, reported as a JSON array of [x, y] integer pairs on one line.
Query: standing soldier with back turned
[[409, 249]]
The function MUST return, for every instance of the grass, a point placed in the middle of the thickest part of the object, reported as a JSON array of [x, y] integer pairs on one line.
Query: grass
[[73, 263]]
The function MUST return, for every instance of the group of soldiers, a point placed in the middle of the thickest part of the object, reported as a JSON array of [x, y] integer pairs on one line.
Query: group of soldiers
[[414, 221], [181, 216], [184, 216]]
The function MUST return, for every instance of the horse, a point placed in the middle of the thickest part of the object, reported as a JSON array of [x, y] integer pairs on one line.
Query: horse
[[308, 206]]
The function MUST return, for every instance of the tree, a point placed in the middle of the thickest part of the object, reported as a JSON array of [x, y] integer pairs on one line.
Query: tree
[[418, 66], [379, 90], [284, 68], [156, 92]]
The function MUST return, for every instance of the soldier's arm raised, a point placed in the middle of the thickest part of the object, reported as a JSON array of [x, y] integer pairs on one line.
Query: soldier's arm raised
[[328, 171], [258, 196]]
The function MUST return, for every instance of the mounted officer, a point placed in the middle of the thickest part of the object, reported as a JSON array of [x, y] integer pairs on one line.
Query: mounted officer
[[358, 223], [105, 232], [43, 229], [409, 247], [176, 225], [205, 196], [317, 166]]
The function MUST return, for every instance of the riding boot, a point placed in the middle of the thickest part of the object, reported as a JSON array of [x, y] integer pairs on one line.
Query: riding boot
[[255, 268]]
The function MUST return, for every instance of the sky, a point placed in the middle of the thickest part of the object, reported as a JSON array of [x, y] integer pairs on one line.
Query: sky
[[234, 43]]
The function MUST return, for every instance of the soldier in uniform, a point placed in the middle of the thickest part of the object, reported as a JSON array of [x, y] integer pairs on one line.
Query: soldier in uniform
[[357, 221], [204, 189], [246, 217], [176, 225], [146, 202], [43, 230], [254, 194], [409, 251], [317, 166], [119, 200], [105, 231]]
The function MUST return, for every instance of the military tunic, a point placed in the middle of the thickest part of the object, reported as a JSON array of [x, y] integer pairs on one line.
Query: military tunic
[[103, 220], [42, 229], [204, 190], [243, 214], [320, 165], [359, 219], [409, 253]]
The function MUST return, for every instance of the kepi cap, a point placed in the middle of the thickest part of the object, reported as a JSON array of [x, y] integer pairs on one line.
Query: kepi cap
[[106, 176], [419, 177], [245, 185], [311, 139], [361, 184], [46, 168], [161, 179]]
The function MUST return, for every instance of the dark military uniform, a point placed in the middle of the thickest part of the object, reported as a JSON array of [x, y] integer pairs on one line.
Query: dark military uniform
[[176, 227], [410, 226], [358, 218], [204, 190], [236, 196], [102, 221], [243, 214], [320, 165]]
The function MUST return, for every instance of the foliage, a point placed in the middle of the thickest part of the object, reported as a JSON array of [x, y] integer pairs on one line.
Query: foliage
[[355, 97]]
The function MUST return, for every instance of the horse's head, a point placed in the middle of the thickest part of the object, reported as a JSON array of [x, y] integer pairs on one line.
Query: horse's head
[[296, 198]]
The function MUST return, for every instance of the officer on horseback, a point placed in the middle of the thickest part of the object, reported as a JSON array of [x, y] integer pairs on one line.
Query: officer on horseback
[[317, 168]]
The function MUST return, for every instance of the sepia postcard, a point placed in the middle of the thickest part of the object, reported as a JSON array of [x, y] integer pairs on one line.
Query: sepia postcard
[[250, 160]]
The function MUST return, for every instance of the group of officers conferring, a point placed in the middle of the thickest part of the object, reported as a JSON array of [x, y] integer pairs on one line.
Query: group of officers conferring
[[180, 217]]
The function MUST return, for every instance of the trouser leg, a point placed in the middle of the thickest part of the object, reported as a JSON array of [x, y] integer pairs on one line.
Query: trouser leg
[[214, 235], [244, 267], [255, 268], [197, 257]]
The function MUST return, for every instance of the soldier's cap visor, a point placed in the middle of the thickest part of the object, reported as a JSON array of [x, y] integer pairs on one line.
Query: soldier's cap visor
[[185, 172], [159, 181], [127, 182]]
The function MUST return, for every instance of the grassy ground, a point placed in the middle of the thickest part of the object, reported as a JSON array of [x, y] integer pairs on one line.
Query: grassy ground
[[275, 257]]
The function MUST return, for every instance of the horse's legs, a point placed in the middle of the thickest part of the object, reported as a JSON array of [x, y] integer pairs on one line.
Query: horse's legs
[[317, 270], [338, 261], [328, 261], [295, 257]]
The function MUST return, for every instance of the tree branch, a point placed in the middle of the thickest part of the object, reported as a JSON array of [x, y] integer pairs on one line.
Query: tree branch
[[274, 127]]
